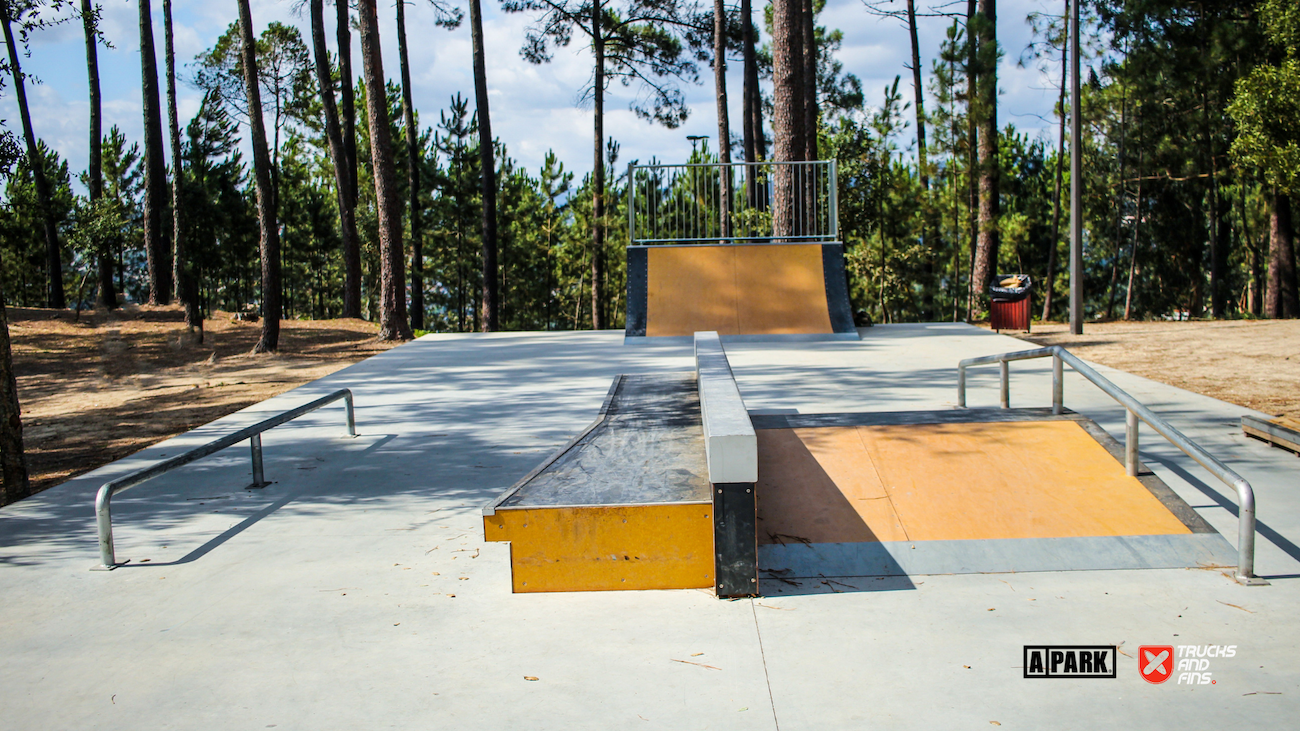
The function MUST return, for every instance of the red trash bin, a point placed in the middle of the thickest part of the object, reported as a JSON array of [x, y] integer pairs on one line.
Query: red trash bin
[[1009, 302]]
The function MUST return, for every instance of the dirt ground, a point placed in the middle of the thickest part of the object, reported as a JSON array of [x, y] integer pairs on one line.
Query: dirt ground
[[97, 388], [1253, 363]]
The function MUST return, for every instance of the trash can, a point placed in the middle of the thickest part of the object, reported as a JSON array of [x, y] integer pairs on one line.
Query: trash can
[[1009, 302]]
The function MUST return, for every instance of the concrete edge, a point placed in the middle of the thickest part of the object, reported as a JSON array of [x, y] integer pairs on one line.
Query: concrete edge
[[731, 446]]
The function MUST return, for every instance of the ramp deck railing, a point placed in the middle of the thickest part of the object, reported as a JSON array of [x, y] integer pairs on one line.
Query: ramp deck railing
[[1135, 412], [740, 202], [104, 498]]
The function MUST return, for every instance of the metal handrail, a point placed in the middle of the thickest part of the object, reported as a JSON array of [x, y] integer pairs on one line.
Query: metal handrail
[[1135, 411], [789, 202], [103, 499]]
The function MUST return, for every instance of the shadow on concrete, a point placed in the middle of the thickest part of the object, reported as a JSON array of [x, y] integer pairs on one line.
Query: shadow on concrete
[[1223, 501], [775, 586]]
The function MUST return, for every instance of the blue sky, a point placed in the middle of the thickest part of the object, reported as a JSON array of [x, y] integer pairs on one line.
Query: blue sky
[[534, 108]]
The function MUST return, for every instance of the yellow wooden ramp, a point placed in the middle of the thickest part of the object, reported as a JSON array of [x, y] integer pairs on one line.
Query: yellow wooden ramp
[[738, 289]]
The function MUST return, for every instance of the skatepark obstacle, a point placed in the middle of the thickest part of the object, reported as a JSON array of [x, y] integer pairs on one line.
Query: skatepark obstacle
[[739, 249], [676, 470]]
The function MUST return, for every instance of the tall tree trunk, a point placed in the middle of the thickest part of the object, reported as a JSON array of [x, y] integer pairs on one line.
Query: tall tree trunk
[[598, 172], [1049, 288], [808, 27], [13, 462], [986, 255], [748, 59], [412, 172], [919, 94], [155, 170], [187, 289], [95, 168], [1137, 227], [972, 152], [338, 152], [1119, 206], [1255, 304], [351, 245], [928, 239], [788, 111], [754, 93], [1218, 246], [53, 252], [491, 304], [1281, 300], [269, 228], [392, 279], [724, 123], [751, 103]]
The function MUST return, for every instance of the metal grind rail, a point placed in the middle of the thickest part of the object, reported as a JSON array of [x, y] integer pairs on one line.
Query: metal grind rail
[[103, 513], [1135, 412]]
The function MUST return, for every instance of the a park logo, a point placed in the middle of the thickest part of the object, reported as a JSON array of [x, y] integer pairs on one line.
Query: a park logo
[[1070, 661], [1156, 662]]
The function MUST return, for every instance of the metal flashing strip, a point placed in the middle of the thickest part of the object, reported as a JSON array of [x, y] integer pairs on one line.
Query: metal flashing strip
[[992, 556], [491, 508]]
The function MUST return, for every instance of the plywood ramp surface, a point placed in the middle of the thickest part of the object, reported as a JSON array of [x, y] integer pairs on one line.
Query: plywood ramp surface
[[667, 546], [930, 482], [771, 289]]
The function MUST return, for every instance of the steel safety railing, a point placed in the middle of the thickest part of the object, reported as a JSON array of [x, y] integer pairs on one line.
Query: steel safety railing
[[741, 202], [104, 498], [1136, 413]]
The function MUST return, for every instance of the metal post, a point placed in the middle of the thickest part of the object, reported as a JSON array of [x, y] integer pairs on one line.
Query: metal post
[[1131, 443], [961, 386], [1076, 180], [1058, 384], [835, 200], [1006, 384], [104, 521], [352, 418], [1246, 534], [255, 442], [631, 203]]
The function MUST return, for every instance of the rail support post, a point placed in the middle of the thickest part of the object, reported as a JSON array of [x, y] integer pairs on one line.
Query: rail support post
[[1131, 443], [255, 445], [104, 523], [961, 386], [1006, 384], [1058, 384], [1245, 573]]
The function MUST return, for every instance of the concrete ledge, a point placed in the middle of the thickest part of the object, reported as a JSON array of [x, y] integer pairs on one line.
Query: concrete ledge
[[731, 447]]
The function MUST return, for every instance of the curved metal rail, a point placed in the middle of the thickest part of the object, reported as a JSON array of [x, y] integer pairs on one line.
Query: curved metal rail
[[1136, 411], [103, 513]]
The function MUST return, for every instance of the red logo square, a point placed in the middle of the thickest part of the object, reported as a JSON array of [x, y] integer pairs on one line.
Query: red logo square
[[1156, 662]]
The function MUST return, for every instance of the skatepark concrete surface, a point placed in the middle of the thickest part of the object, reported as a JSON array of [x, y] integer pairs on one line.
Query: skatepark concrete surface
[[356, 591]]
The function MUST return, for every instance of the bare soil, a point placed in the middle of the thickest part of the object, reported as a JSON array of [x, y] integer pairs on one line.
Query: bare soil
[[1252, 363], [99, 387]]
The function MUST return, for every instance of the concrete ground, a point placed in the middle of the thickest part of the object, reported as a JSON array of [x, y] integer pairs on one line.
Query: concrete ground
[[356, 591]]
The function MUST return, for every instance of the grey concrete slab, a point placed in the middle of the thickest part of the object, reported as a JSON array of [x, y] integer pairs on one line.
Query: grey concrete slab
[[323, 601]]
